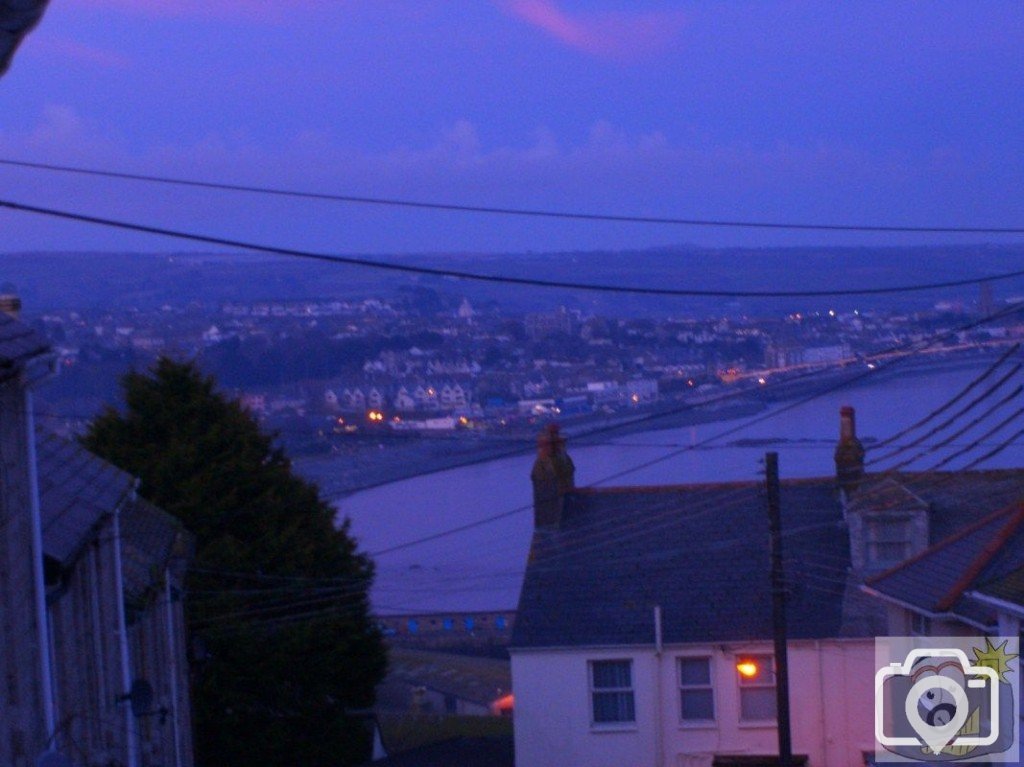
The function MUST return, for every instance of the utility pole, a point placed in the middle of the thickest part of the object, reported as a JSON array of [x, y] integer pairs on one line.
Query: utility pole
[[771, 462]]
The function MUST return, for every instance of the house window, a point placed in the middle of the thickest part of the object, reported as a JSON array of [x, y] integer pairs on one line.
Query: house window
[[757, 687], [696, 695], [611, 691], [888, 541]]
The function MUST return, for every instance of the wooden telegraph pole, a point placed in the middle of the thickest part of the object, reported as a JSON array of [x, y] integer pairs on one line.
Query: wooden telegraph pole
[[771, 461]]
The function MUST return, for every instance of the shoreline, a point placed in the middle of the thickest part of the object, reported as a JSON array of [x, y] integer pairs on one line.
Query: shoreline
[[382, 463]]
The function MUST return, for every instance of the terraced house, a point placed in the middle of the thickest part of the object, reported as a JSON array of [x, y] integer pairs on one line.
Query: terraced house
[[94, 666], [644, 631]]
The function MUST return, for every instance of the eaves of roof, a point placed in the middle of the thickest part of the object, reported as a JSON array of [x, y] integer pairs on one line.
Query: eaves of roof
[[948, 601]]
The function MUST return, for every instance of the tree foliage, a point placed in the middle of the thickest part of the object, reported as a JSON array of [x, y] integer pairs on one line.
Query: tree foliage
[[278, 594]]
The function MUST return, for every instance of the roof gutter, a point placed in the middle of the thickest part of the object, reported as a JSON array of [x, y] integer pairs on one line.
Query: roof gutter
[[48, 695], [659, 737], [1000, 604], [172, 671], [921, 611], [122, 631], [749, 644], [31, 376]]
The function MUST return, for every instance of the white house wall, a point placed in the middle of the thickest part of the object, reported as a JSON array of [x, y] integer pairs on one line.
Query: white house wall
[[552, 712], [830, 693]]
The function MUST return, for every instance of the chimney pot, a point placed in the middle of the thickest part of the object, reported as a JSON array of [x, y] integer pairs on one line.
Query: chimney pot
[[10, 305]]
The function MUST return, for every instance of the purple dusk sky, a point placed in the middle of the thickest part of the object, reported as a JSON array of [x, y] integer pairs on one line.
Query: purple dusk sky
[[889, 111]]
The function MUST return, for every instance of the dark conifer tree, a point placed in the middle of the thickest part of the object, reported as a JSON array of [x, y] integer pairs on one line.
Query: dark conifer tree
[[284, 650]]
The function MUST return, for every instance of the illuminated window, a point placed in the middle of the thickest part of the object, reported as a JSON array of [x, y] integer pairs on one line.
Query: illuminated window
[[414, 625], [448, 624], [500, 623], [757, 687], [696, 695], [611, 691]]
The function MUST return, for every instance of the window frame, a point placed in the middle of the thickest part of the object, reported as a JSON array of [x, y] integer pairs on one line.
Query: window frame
[[744, 683], [594, 691], [684, 688], [872, 540]]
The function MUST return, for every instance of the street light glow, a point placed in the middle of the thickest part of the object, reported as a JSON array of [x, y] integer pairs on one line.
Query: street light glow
[[747, 668]]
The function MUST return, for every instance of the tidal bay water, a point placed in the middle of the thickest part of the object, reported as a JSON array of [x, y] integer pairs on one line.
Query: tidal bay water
[[480, 568]]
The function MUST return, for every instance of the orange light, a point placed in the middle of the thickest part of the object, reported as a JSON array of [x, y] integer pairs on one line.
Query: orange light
[[748, 668], [503, 705]]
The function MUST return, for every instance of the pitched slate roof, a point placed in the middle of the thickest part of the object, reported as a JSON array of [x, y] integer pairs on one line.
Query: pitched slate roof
[[1009, 588], [937, 580], [957, 499], [151, 538], [76, 490], [18, 342], [698, 551], [885, 493]]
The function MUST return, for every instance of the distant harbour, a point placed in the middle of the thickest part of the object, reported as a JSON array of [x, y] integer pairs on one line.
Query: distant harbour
[[480, 567], [381, 459]]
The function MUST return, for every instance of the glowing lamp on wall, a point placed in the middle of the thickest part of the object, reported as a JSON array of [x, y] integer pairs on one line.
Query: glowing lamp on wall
[[748, 668]]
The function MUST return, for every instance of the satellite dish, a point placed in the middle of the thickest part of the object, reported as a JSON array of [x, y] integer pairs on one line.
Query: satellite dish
[[141, 697], [53, 759]]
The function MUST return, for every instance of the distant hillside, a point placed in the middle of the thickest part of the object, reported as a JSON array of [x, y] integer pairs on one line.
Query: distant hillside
[[147, 280]]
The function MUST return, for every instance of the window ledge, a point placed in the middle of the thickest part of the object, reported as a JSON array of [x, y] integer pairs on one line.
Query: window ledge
[[614, 727], [755, 724], [699, 724]]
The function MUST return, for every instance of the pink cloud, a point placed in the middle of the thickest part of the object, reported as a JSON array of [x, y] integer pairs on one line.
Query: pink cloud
[[612, 34]]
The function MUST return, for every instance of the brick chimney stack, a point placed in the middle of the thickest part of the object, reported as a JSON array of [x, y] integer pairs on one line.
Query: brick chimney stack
[[849, 453], [553, 476]]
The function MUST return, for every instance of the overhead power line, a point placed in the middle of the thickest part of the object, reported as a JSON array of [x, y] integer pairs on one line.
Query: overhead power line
[[949, 403], [503, 211], [991, 390], [482, 277], [839, 385]]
